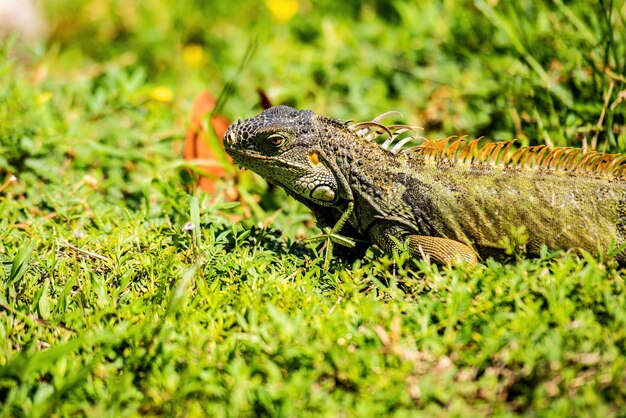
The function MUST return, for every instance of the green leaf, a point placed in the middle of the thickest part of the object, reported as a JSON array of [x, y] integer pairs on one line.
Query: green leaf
[[20, 262], [43, 304]]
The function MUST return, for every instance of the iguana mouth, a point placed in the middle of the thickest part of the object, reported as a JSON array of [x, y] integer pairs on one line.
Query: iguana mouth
[[244, 158], [239, 156], [234, 153]]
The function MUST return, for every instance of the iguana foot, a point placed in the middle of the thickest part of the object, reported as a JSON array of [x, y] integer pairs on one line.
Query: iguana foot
[[331, 236], [441, 250]]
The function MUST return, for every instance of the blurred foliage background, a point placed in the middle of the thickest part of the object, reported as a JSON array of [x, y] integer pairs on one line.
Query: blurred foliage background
[[546, 70]]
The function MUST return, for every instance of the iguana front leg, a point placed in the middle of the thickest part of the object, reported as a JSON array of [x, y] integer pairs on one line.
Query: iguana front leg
[[439, 250], [330, 217], [332, 236]]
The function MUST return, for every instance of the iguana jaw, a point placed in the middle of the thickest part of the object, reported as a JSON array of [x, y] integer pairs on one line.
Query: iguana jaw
[[257, 162]]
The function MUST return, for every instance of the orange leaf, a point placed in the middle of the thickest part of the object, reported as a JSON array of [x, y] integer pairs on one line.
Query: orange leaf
[[196, 144]]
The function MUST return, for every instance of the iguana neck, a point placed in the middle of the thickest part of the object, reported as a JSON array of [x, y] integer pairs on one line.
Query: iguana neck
[[365, 172]]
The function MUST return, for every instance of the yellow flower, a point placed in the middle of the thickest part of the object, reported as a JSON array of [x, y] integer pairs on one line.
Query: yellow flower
[[162, 94], [193, 55], [43, 98], [282, 10]]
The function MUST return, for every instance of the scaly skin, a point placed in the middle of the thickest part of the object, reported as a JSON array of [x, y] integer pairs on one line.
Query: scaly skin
[[446, 208]]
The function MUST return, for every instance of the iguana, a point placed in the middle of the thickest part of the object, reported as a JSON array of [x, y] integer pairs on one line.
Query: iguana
[[449, 198]]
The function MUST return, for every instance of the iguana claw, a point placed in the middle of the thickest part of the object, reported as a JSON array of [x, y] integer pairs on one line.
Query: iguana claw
[[331, 236]]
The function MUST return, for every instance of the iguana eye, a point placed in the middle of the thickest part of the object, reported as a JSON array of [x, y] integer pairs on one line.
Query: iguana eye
[[276, 139]]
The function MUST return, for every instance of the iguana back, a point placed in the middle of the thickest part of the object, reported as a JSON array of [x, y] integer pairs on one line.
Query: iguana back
[[560, 199]]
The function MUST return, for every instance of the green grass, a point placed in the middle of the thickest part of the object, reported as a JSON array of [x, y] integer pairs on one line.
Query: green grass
[[111, 306]]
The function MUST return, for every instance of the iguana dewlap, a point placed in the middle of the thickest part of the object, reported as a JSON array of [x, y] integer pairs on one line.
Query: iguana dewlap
[[450, 199]]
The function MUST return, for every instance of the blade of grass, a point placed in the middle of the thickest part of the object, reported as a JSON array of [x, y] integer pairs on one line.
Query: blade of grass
[[194, 209], [20, 262], [500, 22], [580, 26], [229, 86]]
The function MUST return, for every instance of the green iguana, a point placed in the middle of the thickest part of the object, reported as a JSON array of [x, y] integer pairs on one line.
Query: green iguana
[[451, 199]]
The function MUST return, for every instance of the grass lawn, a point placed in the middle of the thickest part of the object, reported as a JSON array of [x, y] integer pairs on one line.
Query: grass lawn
[[113, 304]]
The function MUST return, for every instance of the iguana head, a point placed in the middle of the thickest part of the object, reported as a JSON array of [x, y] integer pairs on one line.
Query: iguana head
[[283, 146]]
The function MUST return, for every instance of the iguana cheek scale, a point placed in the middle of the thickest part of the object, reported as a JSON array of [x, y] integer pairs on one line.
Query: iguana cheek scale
[[450, 199]]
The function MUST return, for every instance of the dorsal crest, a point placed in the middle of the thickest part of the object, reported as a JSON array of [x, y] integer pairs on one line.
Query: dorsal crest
[[540, 157], [460, 150]]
